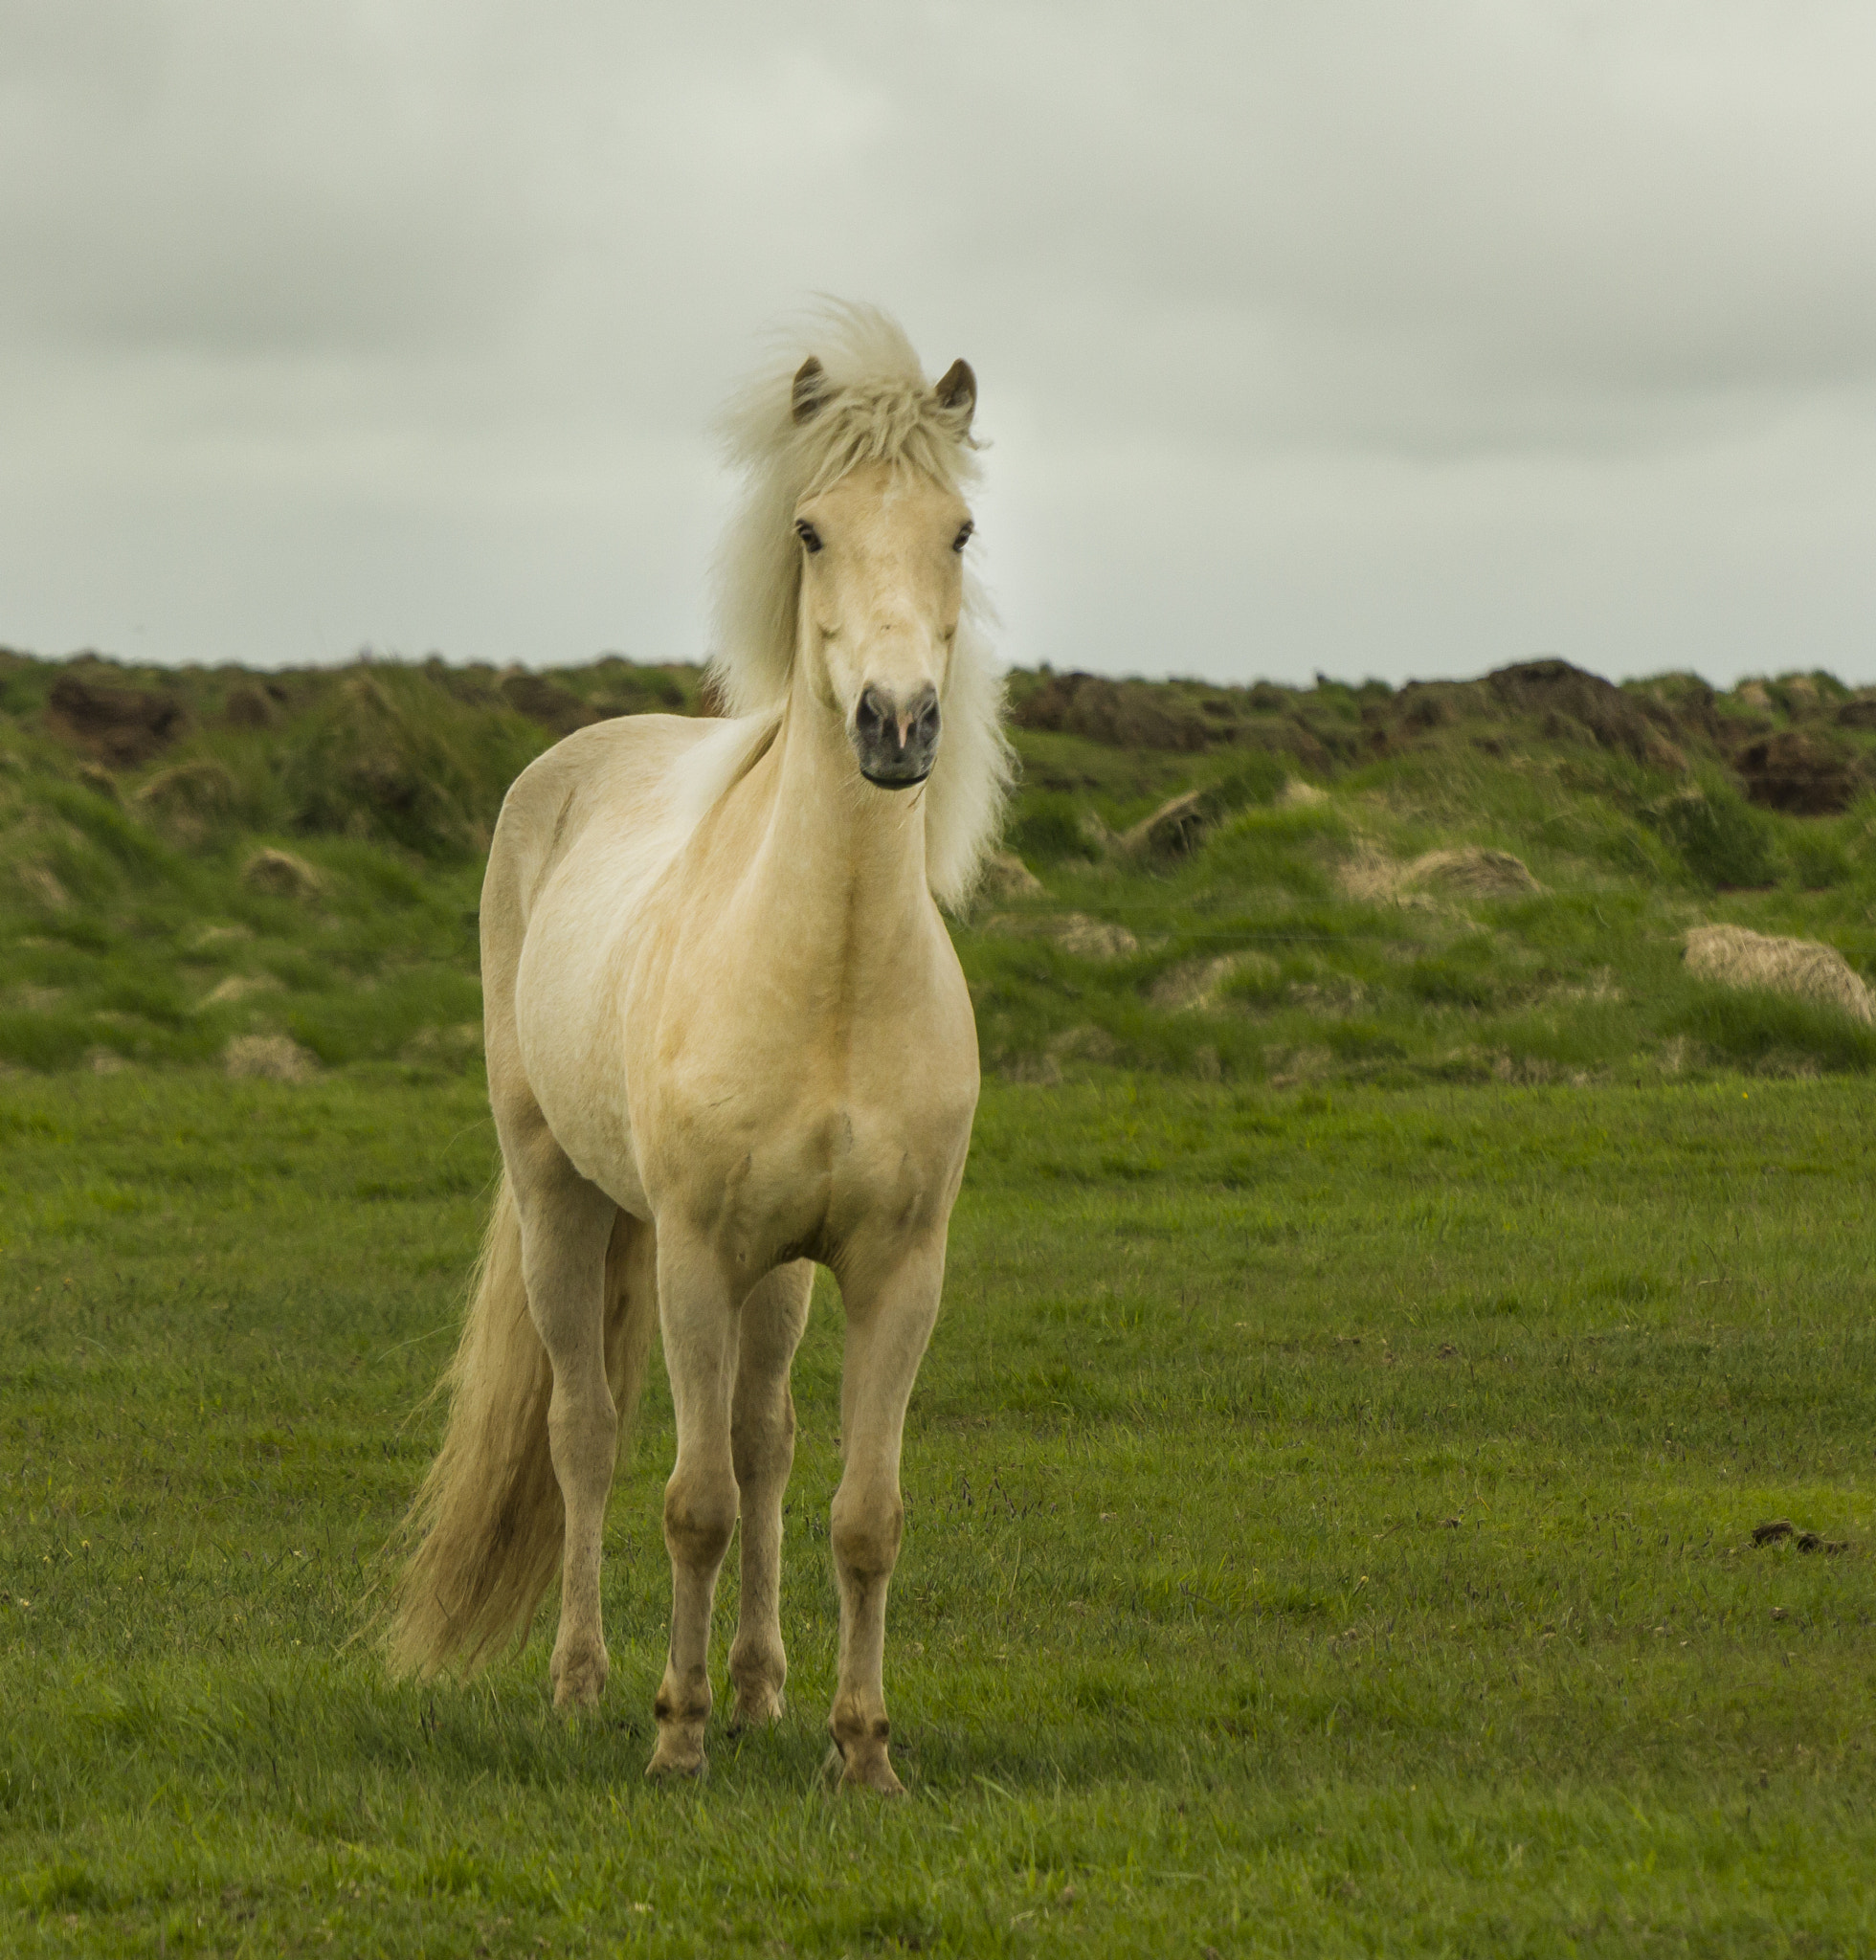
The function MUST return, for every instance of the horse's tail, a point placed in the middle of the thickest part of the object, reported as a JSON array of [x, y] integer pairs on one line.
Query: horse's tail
[[489, 1524]]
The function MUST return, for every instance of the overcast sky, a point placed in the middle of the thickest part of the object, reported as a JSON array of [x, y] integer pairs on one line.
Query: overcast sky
[[1370, 337]]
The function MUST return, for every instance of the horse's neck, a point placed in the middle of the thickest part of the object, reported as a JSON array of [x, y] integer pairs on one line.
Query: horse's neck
[[838, 859]]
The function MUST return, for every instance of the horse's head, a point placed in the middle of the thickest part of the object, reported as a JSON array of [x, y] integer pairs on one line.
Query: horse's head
[[882, 589]]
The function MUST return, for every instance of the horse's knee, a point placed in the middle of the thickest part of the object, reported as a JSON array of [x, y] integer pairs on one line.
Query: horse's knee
[[700, 1515], [866, 1530]]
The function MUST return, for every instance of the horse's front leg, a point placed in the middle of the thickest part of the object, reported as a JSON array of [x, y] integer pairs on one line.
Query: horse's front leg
[[762, 1441], [697, 1307], [889, 1321]]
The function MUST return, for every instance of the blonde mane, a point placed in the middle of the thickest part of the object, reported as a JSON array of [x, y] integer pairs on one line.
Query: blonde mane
[[878, 406]]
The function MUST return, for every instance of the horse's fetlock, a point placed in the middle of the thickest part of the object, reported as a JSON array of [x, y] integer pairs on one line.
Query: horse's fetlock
[[683, 1706], [757, 1658], [857, 1719]]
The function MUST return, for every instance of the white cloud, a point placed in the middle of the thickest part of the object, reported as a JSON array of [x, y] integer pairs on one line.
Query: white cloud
[[1361, 337]]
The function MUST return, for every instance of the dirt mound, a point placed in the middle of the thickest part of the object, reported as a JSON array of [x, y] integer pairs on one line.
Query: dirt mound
[[239, 986], [1426, 704], [247, 708], [1859, 712], [1801, 772], [1173, 830], [388, 755], [1120, 714], [121, 725], [547, 703], [281, 874], [1370, 874], [1007, 877], [1178, 826], [1074, 932], [1735, 956], [1475, 872], [1193, 986], [1571, 704], [270, 1057], [1686, 707], [191, 798]]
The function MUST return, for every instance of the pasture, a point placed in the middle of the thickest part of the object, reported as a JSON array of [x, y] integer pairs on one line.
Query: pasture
[[1329, 1531]]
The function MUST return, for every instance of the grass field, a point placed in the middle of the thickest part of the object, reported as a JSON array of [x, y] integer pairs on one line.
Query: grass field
[[1329, 1531], [1287, 943]]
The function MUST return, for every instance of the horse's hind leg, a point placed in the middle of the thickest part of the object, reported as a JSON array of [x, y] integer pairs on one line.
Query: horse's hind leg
[[566, 1225], [762, 1444]]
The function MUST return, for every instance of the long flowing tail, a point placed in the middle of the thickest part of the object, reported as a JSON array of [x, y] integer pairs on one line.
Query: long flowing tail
[[489, 1524]]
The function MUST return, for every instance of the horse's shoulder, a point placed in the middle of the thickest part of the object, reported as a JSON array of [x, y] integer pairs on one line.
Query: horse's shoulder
[[625, 760]]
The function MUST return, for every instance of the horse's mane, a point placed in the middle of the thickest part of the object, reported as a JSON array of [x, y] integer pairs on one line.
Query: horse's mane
[[878, 406]]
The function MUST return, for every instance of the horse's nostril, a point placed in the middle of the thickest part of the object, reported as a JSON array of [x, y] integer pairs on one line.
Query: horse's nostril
[[896, 739]]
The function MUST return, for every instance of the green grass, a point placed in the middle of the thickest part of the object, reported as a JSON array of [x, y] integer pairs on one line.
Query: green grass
[[1328, 1532], [127, 931]]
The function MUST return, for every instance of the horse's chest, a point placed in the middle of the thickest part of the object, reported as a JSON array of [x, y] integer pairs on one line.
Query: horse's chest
[[808, 1174]]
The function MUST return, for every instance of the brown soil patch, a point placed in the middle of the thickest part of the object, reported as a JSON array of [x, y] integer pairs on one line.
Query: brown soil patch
[[247, 708], [1570, 704], [547, 703], [1120, 714], [121, 725], [1802, 772]]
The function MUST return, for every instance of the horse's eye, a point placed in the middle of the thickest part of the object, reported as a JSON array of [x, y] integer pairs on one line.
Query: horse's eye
[[808, 534], [963, 537]]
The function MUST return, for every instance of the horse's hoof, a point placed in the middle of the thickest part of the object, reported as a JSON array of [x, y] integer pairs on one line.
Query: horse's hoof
[[863, 1767], [677, 1755], [695, 1768]]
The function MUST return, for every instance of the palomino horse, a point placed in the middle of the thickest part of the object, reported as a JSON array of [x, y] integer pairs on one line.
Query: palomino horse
[[727, 1036]]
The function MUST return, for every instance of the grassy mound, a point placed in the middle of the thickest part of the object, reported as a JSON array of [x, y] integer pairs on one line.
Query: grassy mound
[[1480, 880]]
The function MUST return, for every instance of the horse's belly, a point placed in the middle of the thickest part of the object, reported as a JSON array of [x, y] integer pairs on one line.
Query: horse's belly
[[571, 1056]]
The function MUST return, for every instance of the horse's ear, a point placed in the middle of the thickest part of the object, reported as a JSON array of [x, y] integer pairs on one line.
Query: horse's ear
[[956, 394], [810, 389]]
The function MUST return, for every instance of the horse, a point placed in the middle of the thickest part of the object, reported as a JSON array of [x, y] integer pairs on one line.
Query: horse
[[728, 1037]]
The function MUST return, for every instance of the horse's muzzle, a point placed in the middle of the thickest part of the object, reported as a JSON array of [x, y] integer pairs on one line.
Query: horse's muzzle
[[896, 741]]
